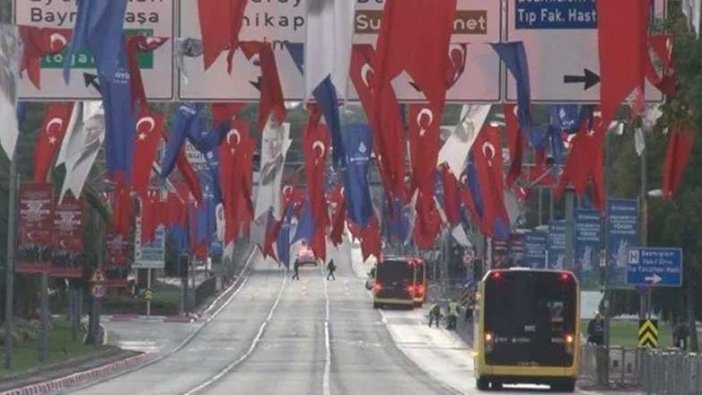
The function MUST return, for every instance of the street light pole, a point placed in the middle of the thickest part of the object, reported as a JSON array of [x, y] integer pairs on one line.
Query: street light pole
[[10, 265]]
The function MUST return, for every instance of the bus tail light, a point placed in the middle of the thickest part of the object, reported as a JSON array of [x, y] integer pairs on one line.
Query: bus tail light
[[569, 343], [565, 277], [488, 341], [419, 290], [410, 289], [377, 287], [497, 275]]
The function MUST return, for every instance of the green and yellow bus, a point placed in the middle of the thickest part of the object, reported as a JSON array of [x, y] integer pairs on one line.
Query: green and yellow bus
[[528, 329]]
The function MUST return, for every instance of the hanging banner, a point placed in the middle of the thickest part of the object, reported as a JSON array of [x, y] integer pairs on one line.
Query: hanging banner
[[36, 209], [68, 238], [535, 249], [588, 239], [556, 245], [622, 233]]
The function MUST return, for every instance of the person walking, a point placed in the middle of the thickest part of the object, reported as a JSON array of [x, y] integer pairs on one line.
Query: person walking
[[331, 267], [453, 311], [434, 314], [680, 335], [595, 330], [296, 269]]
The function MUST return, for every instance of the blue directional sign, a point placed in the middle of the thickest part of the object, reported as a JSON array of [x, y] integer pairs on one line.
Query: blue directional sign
[[658, 267]]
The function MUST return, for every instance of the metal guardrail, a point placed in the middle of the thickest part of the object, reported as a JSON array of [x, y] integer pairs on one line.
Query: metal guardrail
[[652, 372]]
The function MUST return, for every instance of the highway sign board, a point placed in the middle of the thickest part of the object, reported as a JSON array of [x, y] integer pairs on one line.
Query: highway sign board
[[152, 18], [560, 38], [478, 22], [149, 255], [273, 21], [658, 267]]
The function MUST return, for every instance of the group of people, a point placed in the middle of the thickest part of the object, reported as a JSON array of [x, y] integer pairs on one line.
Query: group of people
[[331, 268], [596, 329], [452, 313]]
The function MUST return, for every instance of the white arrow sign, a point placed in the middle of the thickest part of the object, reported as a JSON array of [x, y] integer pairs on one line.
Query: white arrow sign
[[655, 279]]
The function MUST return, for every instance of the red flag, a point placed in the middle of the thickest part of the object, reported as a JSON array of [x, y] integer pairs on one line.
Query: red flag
[[272, 232], [338, 203], [222, 112], [187, 171], [676, 158], [220, 24], [40, 42], [236, 158], [272, 104], [428, 221], [414, 37], [56, 118], [135, 45], [175, 207], [487, 157], [540, 174], [584, 161], [123, 210], [662, 46], [370, 239], [315, 146], [362, 76], [622, 50], [516, 143], [151, 208], [452, 205], [469, 204], [149, 129], [424, 122]]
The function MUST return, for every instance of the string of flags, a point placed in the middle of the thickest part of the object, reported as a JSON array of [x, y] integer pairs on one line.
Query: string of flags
[[446, 185]]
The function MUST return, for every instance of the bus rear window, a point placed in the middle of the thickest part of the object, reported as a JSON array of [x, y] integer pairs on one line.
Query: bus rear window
[[392, 271]]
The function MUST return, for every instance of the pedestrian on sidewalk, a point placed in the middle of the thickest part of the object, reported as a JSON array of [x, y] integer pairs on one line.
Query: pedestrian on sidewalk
[[595, 330], [680, 335], [453, 311], [470, 305], [331, 267], [296, 269], [434, 314]]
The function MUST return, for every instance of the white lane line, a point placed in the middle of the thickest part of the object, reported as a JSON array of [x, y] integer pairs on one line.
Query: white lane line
[[326, 387], [252, 347]]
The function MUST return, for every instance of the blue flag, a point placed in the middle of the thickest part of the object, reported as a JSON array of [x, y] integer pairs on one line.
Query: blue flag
[[283, 241], [186, 117], [306, 224], [399, 221], [328, 101], [358, 144], [297, 53], [98, 28], [208, 227], [514, 57], [120, 123], [179, 236], [21, 111], [566, 117], [474, 186]]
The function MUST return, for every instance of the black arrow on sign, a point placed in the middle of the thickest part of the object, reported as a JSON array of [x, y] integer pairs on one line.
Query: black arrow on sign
[[91, 79], [257, 84], [590, 79]]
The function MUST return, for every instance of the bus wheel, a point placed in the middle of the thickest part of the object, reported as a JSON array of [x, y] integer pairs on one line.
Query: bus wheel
[[482, 384]]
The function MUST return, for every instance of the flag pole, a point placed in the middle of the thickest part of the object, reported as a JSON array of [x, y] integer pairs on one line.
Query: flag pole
[[10, 265]]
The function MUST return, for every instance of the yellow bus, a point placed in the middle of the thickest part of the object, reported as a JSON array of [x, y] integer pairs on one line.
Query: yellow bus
[[420, 282], [528, 329], [394, 283]]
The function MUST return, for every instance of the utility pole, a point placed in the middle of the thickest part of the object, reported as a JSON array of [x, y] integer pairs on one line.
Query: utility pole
[[10, 266], [569, 228], [645, 294]]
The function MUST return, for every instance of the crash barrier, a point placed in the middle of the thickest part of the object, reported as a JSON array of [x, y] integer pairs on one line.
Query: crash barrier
[[654, 372], [671, 372]]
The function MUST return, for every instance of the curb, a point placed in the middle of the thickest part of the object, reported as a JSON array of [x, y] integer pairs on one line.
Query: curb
[[80, 378], [153, 318]]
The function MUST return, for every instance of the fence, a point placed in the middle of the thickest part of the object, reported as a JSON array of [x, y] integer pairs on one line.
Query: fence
[[668, 372]]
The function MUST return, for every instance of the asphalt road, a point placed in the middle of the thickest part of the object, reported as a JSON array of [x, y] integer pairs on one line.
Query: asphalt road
[[279, 336]]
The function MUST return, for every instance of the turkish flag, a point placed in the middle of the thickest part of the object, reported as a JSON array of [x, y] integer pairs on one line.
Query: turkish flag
[[676, 158], [414, 37], [515, 142], [56, 119], [370, 239], [39, 42], [187, 171], [623, 51], [424, 123], [388, 133], [662, 46], [135, 45], [151, 208], [222, 112], [149, 129], [428, 221], [338, 203], [487, 160], [175, 207], [452, 204], [235, 160], [316, 146], [220, 24], [122, 210], [272, 104], [585, 161]]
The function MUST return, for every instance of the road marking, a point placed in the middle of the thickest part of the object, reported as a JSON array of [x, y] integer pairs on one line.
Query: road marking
[[326, 387], [252, 347]]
